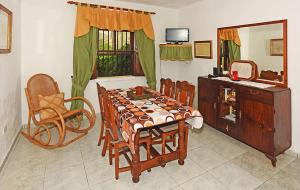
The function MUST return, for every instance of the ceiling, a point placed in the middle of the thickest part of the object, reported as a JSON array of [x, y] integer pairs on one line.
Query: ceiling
[[164, 3]]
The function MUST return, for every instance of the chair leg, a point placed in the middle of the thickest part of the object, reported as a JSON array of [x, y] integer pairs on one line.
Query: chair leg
[[163, 149], [101, 133], [186, 136], [106, 141], [174, 140], [110, 154], [148, 152], [116, 162]]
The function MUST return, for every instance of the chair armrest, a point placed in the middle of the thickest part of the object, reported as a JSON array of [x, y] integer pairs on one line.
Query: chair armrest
[[88, 103], [47, 108]]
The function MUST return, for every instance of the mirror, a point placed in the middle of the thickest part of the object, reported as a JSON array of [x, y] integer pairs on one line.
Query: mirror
[[263, 43]]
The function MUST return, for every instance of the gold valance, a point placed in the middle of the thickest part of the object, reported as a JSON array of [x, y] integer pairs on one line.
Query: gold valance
[[230, 34], [111, 19]]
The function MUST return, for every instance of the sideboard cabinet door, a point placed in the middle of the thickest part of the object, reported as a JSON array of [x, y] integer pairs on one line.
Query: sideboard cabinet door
[[256, 124], [207, 101]]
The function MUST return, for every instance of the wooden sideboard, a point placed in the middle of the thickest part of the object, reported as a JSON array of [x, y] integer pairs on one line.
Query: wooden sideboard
[[258, 117]]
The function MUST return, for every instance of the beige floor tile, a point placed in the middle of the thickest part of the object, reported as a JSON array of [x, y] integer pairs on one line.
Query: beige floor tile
[[64, 157], [206, 158], [203, 182], [29, 184], [235, 178], [157, 179], [194, 142], [260, 167], [177, 188], [99, 171], [225, 146], [70, 178], [79, 166], [287, 178], [123, 183], [181, 174]]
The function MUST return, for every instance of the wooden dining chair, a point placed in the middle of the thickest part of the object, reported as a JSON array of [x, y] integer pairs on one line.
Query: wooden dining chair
[[115, 140], [185, 93], [47, 110], [101, 91], [167, 87]]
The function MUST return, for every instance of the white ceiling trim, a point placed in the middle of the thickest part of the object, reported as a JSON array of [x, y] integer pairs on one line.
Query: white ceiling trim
[[164, 3]]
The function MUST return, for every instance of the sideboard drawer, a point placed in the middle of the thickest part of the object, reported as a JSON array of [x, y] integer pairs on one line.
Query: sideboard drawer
[[260, 95]]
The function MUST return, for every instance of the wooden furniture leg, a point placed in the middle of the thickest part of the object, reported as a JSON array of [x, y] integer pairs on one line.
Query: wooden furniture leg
[[181, 142], [135, 169], [101, 133], [116, 146], [105, 145], [272, 158], [174, 140], [110, 154], [163, 150]]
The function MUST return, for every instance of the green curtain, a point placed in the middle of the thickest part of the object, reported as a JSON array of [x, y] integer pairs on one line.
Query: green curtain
[[84, 58], [147, 57], [234, 51], [176, 52]]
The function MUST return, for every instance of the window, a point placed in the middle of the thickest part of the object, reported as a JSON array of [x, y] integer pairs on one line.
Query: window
[[117, 55]]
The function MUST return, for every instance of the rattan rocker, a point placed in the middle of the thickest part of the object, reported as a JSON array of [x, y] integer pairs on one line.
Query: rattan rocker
[[70, 120]]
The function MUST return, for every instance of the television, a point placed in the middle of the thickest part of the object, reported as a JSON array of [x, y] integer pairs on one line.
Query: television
[[177, 35]]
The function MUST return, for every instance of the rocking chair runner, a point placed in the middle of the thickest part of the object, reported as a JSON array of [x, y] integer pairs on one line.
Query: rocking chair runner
[[42, 85]]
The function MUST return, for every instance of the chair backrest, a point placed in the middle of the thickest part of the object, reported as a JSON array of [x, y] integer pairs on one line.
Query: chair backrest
[[101, 92], [109, 114], [167, 87], [39, 84], [185, 93]]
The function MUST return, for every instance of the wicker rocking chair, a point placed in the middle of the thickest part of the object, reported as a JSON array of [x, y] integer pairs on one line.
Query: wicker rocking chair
[[53, 119]]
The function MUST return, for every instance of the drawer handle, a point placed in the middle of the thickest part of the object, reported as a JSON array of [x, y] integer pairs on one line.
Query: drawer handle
[[215, 105], [227, 128], [254, 92]]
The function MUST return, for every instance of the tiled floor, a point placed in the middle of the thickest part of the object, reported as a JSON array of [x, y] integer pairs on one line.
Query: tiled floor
[[215, 161]]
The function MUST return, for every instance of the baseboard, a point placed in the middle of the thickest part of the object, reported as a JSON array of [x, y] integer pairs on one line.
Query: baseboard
[[10, 150]]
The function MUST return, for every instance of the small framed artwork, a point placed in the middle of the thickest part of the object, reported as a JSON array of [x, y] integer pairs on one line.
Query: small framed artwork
[[203, 49], [276, 47], [5, 29]]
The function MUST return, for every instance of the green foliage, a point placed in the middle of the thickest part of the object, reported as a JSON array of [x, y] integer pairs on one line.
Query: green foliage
[[115, 65]]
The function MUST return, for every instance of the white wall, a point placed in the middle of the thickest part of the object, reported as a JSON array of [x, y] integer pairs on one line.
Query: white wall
[[203, 19], [259, 47], [244, 34], [47, 43], [10, 100]]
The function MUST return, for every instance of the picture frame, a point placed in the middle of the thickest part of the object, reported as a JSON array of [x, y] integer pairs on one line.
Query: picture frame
[[5, 29], [276, 47], [203, 49]]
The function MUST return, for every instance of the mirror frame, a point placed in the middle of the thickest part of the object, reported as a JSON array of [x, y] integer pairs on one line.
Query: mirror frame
[[285, 69]]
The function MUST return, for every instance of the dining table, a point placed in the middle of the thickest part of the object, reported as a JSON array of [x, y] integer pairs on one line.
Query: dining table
[[147, 112]]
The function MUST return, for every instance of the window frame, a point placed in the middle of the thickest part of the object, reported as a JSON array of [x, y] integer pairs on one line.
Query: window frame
[[133, 52]]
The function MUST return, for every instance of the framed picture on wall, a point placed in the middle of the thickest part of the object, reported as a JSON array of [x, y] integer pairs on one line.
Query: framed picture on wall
[[203, 49], [276, 47], [5, 29]]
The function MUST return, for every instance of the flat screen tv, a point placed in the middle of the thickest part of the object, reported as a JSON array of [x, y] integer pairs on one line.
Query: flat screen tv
[[177, 35]]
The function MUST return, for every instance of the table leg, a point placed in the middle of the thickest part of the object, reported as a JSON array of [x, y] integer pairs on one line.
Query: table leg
[[136, 169], [181, 143]]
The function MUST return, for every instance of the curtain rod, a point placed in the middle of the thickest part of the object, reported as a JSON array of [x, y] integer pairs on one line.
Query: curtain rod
[[110, 7]]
